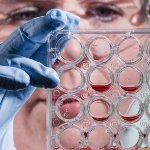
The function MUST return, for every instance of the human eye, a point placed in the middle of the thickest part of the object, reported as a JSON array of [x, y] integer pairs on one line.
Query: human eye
[[104, 13], [24, 14]]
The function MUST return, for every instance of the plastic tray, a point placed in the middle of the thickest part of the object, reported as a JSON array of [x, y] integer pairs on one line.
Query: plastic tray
[[102, 101]]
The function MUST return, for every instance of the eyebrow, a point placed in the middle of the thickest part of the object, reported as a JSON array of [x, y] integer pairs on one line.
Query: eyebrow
[[120, 3], [24, 1], [103, 1], [8, 5], [109, 1], [5, 8]]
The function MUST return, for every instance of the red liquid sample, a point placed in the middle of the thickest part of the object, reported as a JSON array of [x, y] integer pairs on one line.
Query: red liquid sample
[[101, 87], [100, 119], [132, 118], [86, 148], [113, 149], [130, 89], [68, 101]]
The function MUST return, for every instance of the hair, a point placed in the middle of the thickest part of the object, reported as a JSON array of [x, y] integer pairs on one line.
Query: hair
[[145, 9]]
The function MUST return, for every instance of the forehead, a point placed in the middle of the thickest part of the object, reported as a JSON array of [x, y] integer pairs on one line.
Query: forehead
[[8, 5], [18, 1], [22, 1], [15, 3]]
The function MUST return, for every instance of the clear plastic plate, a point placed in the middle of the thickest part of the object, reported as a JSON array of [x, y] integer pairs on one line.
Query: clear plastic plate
[[102, 101]]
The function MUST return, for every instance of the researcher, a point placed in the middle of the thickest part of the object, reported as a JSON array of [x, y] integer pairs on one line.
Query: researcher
[[24, 29]]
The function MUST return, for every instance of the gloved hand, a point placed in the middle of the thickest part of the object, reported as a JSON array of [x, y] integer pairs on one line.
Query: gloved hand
[[23, 59]]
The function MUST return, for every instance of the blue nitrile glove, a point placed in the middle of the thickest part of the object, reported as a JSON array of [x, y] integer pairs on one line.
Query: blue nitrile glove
[[23, 59]]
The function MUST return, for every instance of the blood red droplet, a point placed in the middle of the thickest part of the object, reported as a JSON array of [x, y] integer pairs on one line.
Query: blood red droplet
[[131, 118], [100, 119], [130, 89], [100, 87], [87, 148]]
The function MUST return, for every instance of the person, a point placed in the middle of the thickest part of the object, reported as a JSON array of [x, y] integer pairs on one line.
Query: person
[[23, 57]]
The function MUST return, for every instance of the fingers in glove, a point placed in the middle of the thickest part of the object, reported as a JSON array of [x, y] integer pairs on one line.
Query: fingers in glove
[[12, 78], [30, 36], [40, 76]]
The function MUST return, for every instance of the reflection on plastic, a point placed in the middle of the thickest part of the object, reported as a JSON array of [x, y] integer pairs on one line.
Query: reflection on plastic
[[99, 109], [129, 108], [70, 108], [99, 78], [102, 136], [130, 79], [129, 137]]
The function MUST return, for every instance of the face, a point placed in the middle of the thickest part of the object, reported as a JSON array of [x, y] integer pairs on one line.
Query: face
[[94, 14]]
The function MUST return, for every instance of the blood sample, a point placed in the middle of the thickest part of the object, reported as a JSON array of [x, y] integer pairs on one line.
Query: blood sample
[[87, 148], [100, 108], [130, 108], [100, 119], [130, 79], [101, 88], [130, 89], [130, 118]]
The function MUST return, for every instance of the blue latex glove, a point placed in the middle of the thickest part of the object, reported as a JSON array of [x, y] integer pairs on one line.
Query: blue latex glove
[[23, 66]]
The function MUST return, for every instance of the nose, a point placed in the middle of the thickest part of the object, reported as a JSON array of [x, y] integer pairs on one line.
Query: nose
[[77, 8], [72, 50], [72, 6]]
